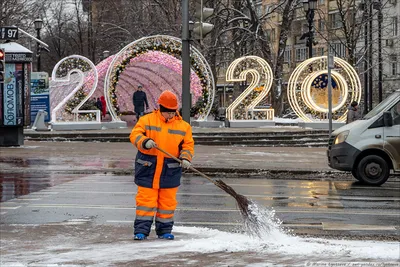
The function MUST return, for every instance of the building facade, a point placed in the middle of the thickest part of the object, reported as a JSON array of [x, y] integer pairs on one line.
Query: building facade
[[350, 29]]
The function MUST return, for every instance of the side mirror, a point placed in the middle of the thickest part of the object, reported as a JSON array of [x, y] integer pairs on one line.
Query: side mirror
[[387, 119]]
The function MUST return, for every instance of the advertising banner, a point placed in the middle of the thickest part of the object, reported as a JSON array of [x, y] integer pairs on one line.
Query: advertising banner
[[27, 92], [19, 81], [12, 114], [1, 103], [40, 94]]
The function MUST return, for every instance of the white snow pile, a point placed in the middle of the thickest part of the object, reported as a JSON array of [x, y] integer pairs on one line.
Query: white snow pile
[[202, 240], [272, 242]]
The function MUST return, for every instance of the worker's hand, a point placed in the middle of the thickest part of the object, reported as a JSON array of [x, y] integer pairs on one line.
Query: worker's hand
[[186, 164], [150, 144]]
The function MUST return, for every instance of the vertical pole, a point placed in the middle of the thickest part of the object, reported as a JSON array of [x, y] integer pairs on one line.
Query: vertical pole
[[38, 51], [366, 58], [380, 67], [370, 71], [330, 67], [201, 23], [310, 17], [91, 51], [224, 95], [185, 62]]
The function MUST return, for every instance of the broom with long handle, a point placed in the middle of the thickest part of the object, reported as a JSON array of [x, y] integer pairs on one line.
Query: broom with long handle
[[242, 201]]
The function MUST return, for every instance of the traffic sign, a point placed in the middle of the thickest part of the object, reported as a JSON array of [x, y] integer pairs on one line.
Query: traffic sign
[[8, 33]]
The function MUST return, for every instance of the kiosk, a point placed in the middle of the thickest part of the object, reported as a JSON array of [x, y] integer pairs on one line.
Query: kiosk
[[15, 94]]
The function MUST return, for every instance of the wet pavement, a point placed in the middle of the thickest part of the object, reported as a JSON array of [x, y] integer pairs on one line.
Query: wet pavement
[[72, 204], [118, 158], [14, 185], [78, 220], [109, 199]]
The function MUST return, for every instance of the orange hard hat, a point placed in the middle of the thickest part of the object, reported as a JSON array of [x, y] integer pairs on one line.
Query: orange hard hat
[[168, 99]]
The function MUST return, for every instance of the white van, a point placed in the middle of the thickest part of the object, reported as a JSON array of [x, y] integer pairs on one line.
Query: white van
[[369, 147]]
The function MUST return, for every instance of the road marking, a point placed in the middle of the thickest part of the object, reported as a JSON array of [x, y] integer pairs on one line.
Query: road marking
[[71, 222], [313, 225], [176, 223], [332, 226], [44, 193], [323, 200], [9, 208], [27, 199], [270, 197], [79, 206], [325, 226], [119, 207], [98, 182]]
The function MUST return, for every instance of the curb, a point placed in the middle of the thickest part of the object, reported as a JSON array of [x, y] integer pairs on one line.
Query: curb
[[225, 173], [214, 172]]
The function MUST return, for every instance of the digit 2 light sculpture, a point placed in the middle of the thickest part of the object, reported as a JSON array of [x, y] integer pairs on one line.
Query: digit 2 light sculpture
[[260, 81]]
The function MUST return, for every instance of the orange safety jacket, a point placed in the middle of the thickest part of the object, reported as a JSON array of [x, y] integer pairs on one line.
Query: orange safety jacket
[[154, 169]]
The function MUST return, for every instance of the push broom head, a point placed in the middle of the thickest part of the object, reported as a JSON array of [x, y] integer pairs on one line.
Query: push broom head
[[253, 225]]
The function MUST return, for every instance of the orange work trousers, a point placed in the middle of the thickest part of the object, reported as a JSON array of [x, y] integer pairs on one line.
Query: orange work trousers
[[160, 203]]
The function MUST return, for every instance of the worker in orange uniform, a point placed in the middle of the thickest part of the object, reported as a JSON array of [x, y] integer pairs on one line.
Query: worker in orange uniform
[[157, 175]]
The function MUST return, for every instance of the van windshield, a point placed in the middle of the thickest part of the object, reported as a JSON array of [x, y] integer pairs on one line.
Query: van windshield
[[381, 106]]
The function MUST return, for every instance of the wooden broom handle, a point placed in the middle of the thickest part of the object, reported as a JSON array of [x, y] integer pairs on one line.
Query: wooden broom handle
[[180, 161]]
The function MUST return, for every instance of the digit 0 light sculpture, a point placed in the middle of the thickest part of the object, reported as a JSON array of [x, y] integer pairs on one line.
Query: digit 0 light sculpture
[[258, 73], [132, 66], [308, 89]]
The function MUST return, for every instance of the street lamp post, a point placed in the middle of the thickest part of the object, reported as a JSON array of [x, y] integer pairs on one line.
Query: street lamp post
[[106, 54], [309, 7], [378, 6], [38, 26], [185, 62]]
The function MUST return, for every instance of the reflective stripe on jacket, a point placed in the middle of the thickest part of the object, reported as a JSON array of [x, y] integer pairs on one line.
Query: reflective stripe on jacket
[[154, 169]]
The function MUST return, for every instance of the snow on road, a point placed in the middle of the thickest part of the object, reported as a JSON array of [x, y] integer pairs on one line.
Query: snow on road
[[63, 249]]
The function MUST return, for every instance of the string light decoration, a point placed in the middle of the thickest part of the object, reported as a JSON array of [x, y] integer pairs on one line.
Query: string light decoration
[[165, 44], [156, 71], [59, 90], [73, 102], [259, 74], [308, 89]]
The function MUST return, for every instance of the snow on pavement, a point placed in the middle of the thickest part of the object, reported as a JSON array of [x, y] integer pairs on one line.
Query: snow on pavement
[[63, 249]]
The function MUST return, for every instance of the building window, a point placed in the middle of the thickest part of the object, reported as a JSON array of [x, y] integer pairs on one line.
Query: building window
[[395, 26], [259, 9], [338, 50], [321, 51], [287, 56], [321, 25], [271, 35], [301, 53], [304, 27], [393, 65], [335, 20]]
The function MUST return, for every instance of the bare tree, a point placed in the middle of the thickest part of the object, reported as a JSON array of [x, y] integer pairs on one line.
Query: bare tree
[[242, 31], [18, 12]]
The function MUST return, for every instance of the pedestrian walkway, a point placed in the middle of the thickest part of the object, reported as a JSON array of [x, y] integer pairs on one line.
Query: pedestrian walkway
[[118, 158]]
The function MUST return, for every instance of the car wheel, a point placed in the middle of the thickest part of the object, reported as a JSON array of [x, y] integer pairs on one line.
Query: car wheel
[[373, 170], [355, 174]]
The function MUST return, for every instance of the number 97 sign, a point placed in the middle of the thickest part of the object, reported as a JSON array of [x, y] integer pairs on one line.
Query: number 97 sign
[[8, 33]]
